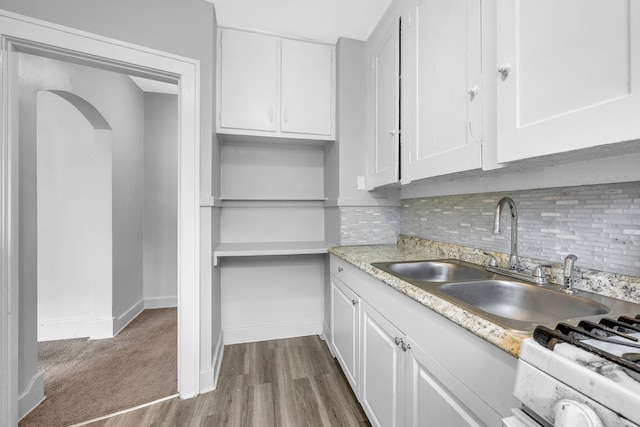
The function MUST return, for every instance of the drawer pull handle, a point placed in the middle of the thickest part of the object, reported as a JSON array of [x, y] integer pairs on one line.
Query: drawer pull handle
[[340, 269], [354, 301], [398, 341]]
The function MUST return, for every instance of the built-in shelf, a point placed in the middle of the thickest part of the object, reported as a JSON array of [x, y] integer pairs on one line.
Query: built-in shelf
[[245, 249], [271, 202], [275, 199]]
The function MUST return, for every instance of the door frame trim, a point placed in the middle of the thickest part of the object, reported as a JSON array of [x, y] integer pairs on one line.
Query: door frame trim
[[19, 33]]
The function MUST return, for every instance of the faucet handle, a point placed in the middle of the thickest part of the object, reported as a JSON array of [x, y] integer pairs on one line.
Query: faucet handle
[[538, 274], [493, 262], [569, 263]]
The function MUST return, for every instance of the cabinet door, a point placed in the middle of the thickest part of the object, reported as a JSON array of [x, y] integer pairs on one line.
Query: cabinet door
[[248, 81], [385, 100], [307, 88], [383, 375], [570, 75], [430, 403], [447, 75], [345, 326]]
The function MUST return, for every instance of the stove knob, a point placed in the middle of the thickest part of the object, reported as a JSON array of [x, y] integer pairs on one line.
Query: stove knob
[[570, 413]]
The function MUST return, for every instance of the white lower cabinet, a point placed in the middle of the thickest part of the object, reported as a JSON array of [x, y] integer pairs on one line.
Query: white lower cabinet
[[345, 321], [429, 402], [409, 366], [382, 393]]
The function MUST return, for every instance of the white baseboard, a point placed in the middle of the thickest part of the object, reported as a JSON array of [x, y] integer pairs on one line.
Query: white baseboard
[[209, 378], [326, 331], [32, 396], [80, 327], [161, 302], [326, 336], [217, 359], [126, 318], [98, 328], [272, 332]]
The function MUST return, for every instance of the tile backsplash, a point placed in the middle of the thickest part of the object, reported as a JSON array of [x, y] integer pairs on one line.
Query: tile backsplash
[[598, 223], [369, 225]]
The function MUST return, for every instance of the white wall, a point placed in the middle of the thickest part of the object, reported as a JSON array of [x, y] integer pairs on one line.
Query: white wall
[[74, 222], [272, 297], [160, 253], [120, 102]]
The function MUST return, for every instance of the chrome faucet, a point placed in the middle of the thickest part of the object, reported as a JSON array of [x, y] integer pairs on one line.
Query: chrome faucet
[[513, 258], [569, 263]]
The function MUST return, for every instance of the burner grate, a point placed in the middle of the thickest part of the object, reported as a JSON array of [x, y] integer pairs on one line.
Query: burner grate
[[608, 331]]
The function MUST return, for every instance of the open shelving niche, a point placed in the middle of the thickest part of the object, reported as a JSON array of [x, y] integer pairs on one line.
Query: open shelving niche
[[273, 254], [272, 194]]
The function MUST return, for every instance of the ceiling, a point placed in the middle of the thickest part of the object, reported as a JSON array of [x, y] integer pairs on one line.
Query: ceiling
[[318, 20]]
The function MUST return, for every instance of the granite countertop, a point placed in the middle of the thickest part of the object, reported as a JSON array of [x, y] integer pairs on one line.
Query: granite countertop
[[411, 248], [362, 257]]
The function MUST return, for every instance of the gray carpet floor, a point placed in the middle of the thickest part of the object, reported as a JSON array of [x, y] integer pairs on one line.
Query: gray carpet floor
[[86, 379]]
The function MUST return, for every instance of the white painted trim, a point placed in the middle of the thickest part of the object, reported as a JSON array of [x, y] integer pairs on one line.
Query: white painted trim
[[161, 302], [209, 378], [326, 330], [346, 202], [32, 396], [95, 328], [217, 359], [76, 327], [127, 317], [40, 37], [272, 332]]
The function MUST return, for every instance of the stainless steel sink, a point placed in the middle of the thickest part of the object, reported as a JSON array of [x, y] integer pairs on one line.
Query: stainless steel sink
[[439, 271], [519, 305], [502, 300]]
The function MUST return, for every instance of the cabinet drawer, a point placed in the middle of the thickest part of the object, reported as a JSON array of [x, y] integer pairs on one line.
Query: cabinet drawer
[[345, 271]]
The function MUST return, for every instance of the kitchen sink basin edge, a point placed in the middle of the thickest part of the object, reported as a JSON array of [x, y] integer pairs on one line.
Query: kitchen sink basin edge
[[507, 302]]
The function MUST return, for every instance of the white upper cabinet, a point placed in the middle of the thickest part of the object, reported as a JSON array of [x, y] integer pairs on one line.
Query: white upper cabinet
[[384, 81], [248, 72], [275, 87], [446, 110], [307, 88], [568, 75]]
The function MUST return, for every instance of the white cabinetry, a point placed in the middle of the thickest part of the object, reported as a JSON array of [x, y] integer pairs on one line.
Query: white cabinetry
[[569, 75], [429, 402], [275, 87], [413, 367], [384, 83], [382, 393], [345, 337], [307, 88], [248, 76], [446, 109]]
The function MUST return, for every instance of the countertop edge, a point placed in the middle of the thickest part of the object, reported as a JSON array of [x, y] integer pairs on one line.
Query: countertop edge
[[362, 257]]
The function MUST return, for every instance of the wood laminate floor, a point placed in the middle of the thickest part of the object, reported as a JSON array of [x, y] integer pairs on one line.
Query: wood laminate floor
[[288, 382]]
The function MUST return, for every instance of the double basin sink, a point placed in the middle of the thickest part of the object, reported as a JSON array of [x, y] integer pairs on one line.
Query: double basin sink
[[502, 300]]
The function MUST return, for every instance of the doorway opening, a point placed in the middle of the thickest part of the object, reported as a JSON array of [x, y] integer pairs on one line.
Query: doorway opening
[[17, 333], [102, 242]]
